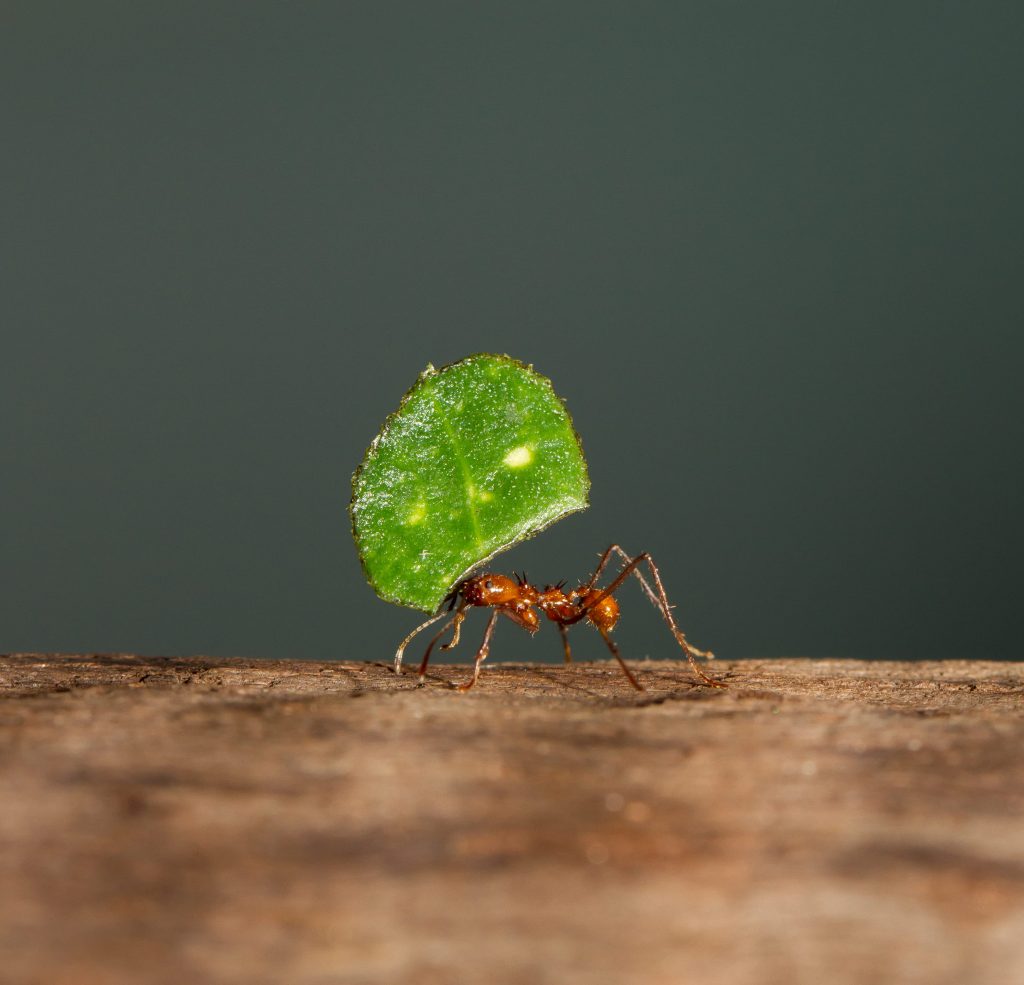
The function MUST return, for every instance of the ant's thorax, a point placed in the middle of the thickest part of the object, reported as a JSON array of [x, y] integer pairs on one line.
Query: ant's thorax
[[517, 597]]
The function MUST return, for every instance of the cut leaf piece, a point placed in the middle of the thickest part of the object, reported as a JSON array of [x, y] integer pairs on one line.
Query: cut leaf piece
[[479, 456]]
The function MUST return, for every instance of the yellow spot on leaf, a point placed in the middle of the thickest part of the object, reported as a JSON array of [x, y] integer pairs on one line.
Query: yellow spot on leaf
[[417, 514], [519, 457]]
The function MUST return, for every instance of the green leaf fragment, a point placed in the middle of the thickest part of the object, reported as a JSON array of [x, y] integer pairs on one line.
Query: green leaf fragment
[[479, 456]]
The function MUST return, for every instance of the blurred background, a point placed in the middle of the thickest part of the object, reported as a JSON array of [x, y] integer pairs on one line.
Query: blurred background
[[771, 256]]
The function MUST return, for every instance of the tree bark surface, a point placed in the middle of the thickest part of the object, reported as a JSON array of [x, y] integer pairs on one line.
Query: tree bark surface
[[829, 822]]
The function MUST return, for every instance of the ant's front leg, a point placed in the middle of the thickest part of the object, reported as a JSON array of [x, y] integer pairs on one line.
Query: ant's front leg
[[400, 652], [456, 620], [460, 614]]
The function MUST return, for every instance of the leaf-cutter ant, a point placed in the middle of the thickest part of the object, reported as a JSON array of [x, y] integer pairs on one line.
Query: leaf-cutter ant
[[518, 599]]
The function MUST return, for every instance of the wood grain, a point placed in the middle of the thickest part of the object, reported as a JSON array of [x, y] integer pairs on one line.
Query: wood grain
[[233, 821]]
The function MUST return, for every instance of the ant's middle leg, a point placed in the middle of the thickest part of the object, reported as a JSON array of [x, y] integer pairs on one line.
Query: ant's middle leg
[[565, 642], [481, 654]]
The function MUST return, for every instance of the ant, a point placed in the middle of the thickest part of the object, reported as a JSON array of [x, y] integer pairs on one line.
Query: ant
[[517, 598]]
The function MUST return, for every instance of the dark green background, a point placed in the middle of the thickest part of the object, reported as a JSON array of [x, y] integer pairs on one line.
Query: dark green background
[[770, 254]]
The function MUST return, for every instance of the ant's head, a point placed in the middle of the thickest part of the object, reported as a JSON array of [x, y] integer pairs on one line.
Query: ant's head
[[488, 589]]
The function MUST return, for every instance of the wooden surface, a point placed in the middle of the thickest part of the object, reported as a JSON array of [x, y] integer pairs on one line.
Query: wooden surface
[[824, 822]]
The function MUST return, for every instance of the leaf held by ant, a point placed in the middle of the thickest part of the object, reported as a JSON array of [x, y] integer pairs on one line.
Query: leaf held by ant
[[478, 456]]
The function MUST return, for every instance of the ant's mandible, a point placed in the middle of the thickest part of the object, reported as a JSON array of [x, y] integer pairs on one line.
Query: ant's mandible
[[517, 599]]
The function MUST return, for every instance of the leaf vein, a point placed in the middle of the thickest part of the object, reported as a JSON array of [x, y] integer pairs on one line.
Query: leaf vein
[[467, 478]]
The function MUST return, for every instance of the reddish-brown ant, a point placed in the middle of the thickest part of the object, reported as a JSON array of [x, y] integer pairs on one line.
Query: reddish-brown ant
[[517, 598]]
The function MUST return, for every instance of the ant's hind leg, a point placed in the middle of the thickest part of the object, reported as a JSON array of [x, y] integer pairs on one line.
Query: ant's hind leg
[[618, 656], [602, 564], [565, 643], [648, 591], [481, 654], [660, 601]]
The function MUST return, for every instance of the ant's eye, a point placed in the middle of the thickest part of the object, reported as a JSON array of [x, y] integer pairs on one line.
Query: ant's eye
[[488, 583]]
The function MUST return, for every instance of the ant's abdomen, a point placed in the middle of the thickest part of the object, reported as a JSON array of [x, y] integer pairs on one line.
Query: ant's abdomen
[[605, 614]]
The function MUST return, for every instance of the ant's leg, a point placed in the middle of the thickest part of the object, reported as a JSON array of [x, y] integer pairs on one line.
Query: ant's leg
[[451, 599], [565, 642], [457, 621], [648, 591], [430, 646], [400, 652], [481, 654], [605, 592], [602, 564], [618, 656], [460, 614], [660, 600], [666, 611]]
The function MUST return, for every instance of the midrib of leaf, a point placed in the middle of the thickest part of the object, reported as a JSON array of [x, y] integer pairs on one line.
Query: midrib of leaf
[[467, 479]]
